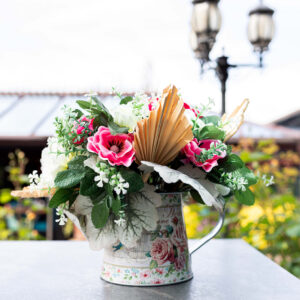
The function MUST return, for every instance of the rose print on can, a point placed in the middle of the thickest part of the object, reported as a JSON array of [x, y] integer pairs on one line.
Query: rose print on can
[[162, 256]]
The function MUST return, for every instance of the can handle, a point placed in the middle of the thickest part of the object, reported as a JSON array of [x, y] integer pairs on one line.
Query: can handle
[[214, 231]]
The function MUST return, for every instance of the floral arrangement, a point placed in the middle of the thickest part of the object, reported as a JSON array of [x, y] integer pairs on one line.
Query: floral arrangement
[[105, 169]]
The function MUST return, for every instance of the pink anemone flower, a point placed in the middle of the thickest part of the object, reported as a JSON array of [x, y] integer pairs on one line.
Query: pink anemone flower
[[195, 147], [116, 149]]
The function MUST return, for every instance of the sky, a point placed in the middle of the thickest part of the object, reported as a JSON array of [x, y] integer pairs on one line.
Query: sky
[[134, 45]]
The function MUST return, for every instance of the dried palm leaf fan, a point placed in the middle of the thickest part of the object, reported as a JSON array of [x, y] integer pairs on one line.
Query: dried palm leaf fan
[[26, 192], [160, 137], [234, 121]]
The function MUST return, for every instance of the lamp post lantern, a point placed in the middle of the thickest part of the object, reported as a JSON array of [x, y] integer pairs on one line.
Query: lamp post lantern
[[206, 24]]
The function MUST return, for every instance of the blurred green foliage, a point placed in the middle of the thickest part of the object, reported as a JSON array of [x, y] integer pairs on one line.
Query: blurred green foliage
[[18, 216], [272, 224]]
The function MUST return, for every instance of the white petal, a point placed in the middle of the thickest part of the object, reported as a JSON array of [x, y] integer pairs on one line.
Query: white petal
[[171, 176]]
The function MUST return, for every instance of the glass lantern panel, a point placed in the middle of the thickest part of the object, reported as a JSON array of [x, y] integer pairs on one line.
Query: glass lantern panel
[[200, 17], [193, 40], [215, 18], [265, 27], [260, 27], [206, 17], [253, 28]]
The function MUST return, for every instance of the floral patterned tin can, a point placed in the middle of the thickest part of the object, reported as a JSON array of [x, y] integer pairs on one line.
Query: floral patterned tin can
[[161, 257]]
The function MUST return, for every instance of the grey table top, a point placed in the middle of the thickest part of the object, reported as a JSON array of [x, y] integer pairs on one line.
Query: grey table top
[[223, 269]]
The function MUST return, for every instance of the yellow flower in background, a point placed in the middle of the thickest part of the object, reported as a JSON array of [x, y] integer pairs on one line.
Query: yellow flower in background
[[270, 149], [266, 168], [279, 214], [257, 239], [270, 214], [192, 221], [250, 214], [291, 172], [289, 209], [279, 174], [191, 231]]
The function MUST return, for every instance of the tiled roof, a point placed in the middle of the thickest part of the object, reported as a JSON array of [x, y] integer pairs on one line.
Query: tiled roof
[[258, 132], [30, 116]]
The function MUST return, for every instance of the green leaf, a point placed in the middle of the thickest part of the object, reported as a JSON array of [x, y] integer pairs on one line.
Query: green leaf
[[126, 100], [148, 254], [79, 113], [171, 269], [246, 197], [84, 104], [77, 162], [98, 197], [73, 198], [249, 157], [116, 205], [246, 173], [109, 190], [211, 132], [134, 179], [100, 213], [100, 106], [232, 163], [100, 120], [153, 264], [211, 119], [88, 186], [61, 196], [97, 108], [68, 178], [293, 231], [115, 128], [195, 195]]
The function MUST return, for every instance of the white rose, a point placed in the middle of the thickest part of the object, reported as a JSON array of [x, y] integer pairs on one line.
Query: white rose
[[52, 163], [124, 116]]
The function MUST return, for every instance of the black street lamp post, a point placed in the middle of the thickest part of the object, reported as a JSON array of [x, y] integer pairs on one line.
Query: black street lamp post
[[206, 23]]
